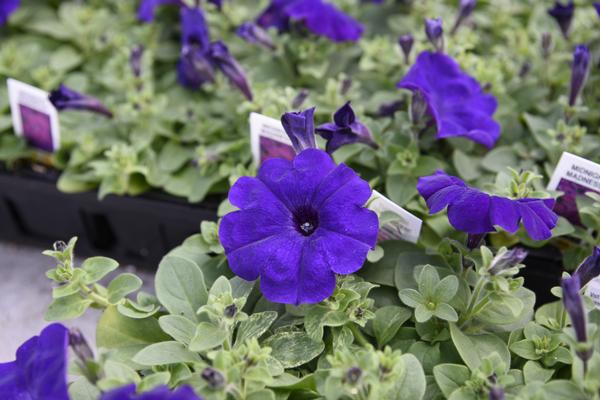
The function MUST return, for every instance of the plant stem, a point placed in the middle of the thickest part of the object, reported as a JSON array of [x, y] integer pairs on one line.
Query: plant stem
[[98, 299], [469, 312], [358, 335]]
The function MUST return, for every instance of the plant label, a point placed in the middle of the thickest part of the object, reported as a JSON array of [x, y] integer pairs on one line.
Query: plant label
[[268, 139], [593, 291], [395, 223], [574, 176], [33, 115]]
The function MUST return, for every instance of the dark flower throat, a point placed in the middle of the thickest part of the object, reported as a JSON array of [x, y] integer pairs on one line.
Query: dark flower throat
[[306, 220]]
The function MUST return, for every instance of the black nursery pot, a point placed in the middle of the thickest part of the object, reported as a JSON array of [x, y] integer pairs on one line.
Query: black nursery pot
[[136, 230], [544, 267]]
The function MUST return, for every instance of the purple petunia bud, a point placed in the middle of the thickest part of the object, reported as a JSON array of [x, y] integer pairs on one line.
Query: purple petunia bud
[[563, 14], [406, 43], [579, 72], [194, 69], [253, 33], [574, 306], [496, 393], [418, 107], [465, 8], [345, 129], [546, 44], [220, 56], [79, 345], [507, 260], [135, 60], [300, 98], [300, 128], [389, 109], [214, 378], [589, 268], [64, 98], [435, 32]]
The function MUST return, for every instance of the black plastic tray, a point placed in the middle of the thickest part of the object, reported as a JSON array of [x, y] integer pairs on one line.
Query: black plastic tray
[[136, 230]]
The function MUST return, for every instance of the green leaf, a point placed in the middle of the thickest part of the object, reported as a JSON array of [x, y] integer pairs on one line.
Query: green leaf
[[446, 289], [178, 327], [97, 268], [401, 188], [207, 336], [466, 166], [534, 372], [388, 321], [151, 381], [82, 389], [428, 280], [71, 287], [525, 349], [412, 384], [121, 286], [474, 348], [180, 286], [450, 377], [422, 313], [563, 390], [291, 382], [165, 353], [68, 307], [255, 326], [116, 331], [263, 394], [446, 312], [411, 297], [499, 158], [64, 59], [293, 349]]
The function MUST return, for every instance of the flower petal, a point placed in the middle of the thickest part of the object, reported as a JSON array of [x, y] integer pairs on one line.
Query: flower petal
[[325, 19], [429, 185], [505, 213], [341, 186], [471, 212], [356, 222], [342, 252], [538, 219]]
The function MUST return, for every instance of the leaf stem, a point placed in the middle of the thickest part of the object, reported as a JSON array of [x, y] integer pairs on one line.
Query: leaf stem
[[358, 335]]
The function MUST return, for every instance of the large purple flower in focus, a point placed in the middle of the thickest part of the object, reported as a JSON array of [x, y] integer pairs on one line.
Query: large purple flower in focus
[[7, 7], [318, 16], [300, 222], [455, 100], [40, 369], [476, 212], [162, 392]]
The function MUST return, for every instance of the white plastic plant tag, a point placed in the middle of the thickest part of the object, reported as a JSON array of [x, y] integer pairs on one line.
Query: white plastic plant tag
[[395, 222], [593, 291], [268, 139], [574, 176], [33, 115]]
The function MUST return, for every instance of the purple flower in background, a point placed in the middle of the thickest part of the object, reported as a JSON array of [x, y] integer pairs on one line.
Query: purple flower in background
[[563, 14], [40, 369], [507, 260], [135, 60], [546, 44], [300, 128], [194, 68], [217, 3], [300, 222], [64, 98], [496, 393], [318, 16], [476, 212], [454, 99], [406, 44], [390, 108], [574, 306], [147, 8], [435, 32], [465, 8], [597, 7], [220, 57], [7, 7], [589, 268], [253, 33], [162, 392], [579, 72], [345, 129]]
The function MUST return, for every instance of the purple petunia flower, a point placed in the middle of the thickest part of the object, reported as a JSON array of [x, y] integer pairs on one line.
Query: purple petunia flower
[[563, 14], [135, 60], [597, 7], [579, 72], [64, 98], [7, 7], [300, 128], [589, 268], [454, 99], [300, 222], [40, 369], [345, 129], [162, 392], [476, 212], [253, 33], [318, 16], [406, 44], [147, 8], [435, 32], [220, 57], [194, 67]]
